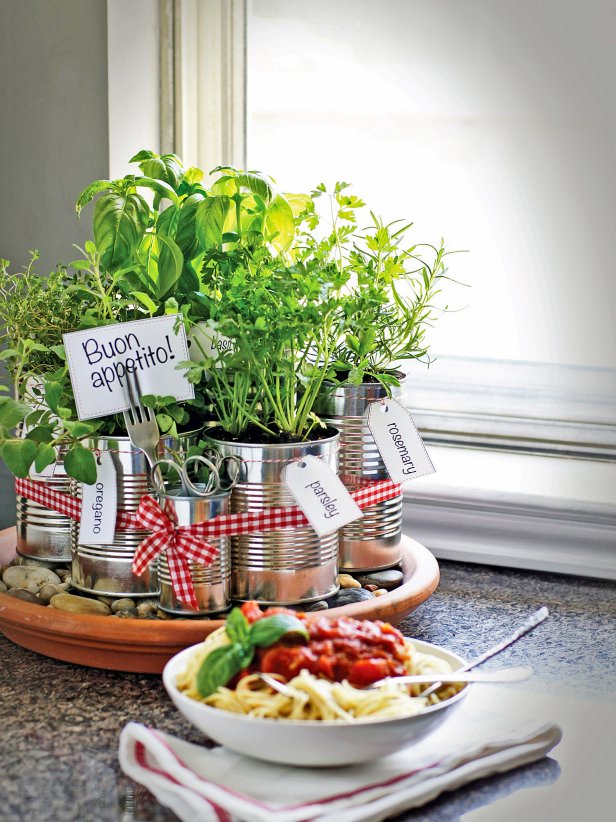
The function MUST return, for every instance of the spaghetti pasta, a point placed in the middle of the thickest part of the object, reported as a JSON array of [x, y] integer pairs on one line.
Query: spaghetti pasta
[[315, 697]]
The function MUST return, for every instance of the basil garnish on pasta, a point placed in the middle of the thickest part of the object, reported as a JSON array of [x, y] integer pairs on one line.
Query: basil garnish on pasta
[[223, 663]]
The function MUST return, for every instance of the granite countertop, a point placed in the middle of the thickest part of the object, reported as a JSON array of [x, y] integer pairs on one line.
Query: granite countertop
[[60, 722]]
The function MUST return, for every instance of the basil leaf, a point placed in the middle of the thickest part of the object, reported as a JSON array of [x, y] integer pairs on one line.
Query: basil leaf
[[268, 630], [220, 666], [237, 627]]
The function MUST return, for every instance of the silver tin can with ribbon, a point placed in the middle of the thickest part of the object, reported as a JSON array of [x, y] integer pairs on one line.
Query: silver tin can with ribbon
[[212, 583], [106, 570], [43, 534], [289, 565], [374, 541]]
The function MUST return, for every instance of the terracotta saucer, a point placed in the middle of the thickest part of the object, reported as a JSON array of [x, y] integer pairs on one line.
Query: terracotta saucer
[[144, 646]]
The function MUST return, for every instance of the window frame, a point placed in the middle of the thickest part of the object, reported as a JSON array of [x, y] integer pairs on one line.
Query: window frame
[[204, 92]]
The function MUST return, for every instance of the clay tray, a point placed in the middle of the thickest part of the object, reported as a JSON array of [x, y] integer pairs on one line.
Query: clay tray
[[144, 646]]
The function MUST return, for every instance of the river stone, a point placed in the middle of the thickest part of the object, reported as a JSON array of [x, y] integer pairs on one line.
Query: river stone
[[24, 594], [349, 595], [3, 588], [126, 613], [383, 579], [38, 577], [146, 607], [123, 604], [15, 577], [47, 592], [380, 592], [347, 581], [321, 605], [79, 605]]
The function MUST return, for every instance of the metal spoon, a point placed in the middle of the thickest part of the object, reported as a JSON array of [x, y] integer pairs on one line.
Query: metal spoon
[[501, 675]]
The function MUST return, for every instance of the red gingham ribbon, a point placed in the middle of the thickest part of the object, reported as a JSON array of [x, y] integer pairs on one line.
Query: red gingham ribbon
[[188, 542], [179, 543]]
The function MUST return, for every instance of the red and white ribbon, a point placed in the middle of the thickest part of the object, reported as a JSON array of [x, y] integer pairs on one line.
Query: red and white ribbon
[[179, 543], [188, 543]]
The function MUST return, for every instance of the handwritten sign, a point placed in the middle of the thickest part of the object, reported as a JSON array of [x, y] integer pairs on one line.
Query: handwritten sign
[[204, 343], [99, 360]]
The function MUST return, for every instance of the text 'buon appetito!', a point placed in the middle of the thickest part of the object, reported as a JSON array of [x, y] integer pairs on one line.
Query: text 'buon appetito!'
[[100, 360]]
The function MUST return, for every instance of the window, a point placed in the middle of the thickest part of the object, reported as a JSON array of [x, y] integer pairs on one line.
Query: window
[[487, 122]]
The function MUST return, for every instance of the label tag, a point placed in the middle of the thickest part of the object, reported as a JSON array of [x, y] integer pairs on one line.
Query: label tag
[[99, 505], [319, 493], [398, 441], [99, 360], [204, 342]]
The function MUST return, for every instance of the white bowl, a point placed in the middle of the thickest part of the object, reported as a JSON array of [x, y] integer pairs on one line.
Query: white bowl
[[310, 742]]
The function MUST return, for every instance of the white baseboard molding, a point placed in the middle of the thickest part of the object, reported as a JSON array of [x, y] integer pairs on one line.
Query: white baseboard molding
[[567, 540]]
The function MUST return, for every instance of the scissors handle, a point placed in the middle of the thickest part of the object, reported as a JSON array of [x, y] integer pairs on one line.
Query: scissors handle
[[158, 481], [212, 486]]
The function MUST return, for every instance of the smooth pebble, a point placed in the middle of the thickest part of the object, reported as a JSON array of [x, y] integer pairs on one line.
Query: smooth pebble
[[3, 588], [380, 591], [47, 592], [79, 605], [321, 605], [147, 607], [347, 581], [24, 594], [383, 579], [348, 595], [124, 604]]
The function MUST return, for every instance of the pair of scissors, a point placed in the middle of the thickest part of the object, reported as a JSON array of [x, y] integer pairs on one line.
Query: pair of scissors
[[212, 485]]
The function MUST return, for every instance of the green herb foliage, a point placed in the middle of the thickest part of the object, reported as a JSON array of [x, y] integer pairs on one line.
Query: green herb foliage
[[222, 664], [390, 286]]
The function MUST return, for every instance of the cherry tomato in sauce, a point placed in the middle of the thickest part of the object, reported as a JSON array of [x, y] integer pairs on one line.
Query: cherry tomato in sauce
[[342, 648]]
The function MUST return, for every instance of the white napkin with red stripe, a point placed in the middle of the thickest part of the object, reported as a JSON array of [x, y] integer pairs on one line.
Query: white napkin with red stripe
[[490, 733]]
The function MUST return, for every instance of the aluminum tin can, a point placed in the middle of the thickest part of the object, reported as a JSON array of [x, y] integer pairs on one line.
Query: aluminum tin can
[[373, 542], [291, 565], [212, 583], [43, 534], [106, 570]]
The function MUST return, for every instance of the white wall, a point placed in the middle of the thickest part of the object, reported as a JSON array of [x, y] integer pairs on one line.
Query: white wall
[[78, 96]]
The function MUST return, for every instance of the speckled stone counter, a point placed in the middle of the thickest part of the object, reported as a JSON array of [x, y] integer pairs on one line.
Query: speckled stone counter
[[60, 723]]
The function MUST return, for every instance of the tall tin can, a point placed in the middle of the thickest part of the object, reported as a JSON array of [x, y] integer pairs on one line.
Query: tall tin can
[[374, 541], [43, 534], [212, 583], [106, 570], [290, 565]]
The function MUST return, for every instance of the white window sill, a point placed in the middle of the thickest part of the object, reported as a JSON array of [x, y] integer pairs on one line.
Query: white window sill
[[516, 510]]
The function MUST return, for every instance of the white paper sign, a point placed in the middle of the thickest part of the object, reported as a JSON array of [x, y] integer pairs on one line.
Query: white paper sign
[[398, 441], [319, 493], [99, 504], [204, 342], [99, 360]]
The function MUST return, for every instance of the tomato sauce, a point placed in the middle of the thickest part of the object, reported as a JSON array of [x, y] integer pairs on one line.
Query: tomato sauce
[[359, 651]]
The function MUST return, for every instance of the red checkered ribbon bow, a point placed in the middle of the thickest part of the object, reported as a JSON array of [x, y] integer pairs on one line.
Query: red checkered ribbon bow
[[186, 543], [179, 544]]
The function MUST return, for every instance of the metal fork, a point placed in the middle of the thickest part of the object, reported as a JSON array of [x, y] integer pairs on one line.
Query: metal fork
[[140, 422]]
